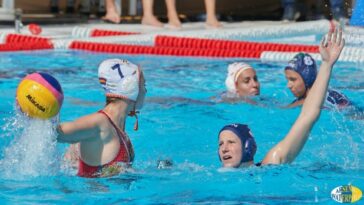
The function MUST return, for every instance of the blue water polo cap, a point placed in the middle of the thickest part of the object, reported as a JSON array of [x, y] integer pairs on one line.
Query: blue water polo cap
[[247, 140], [305, 66]]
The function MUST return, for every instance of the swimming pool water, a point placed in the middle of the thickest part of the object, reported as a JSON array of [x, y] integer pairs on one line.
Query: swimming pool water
[[180, 122]]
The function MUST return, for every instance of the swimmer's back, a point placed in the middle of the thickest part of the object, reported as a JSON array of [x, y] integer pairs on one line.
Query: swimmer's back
[[102, 148], [98, 140]]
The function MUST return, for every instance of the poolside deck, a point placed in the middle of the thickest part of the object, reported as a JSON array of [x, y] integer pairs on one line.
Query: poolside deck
[[65, 30]]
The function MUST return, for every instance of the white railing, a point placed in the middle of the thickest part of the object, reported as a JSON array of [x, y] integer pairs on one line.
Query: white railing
[[7, 10]]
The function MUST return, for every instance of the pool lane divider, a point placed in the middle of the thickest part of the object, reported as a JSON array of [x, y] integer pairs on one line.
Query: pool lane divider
[[200, 43], [101, 32], [20, 38], [204, 47], [82, 32], [154, 50], [269, 56], [271, 53], [197, 43], [25, 46], [19, 42]]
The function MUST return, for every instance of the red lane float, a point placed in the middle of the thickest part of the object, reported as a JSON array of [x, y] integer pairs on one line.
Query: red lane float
[[25, 46], [152, 50], [101, 32], [85, 32], [183, 42], [19, 38]]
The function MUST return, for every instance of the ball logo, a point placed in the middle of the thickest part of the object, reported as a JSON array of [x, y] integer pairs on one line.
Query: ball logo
[[35, 103], [346, 194]]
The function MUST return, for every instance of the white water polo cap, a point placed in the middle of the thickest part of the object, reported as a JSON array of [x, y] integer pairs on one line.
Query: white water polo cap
[[234, 70], [120, 78]]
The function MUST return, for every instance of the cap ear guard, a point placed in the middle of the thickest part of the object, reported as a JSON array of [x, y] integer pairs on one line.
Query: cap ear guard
[[230, 84], [129, 85], [249, 150]]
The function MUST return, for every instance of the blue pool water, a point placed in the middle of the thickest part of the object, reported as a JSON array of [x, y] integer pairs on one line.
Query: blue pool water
[[180, 122]]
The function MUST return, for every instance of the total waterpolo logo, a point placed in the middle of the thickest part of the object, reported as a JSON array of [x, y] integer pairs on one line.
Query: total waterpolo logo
[[346, 194]]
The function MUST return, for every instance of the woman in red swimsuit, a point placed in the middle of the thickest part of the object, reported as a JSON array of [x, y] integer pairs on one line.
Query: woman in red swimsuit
[[104, 147]]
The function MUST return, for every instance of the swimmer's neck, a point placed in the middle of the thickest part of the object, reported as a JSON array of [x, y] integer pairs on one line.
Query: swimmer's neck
[[302, 98], [118, 111]]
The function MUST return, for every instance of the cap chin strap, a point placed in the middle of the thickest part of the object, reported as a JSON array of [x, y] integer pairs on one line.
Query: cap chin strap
[[134, 113]]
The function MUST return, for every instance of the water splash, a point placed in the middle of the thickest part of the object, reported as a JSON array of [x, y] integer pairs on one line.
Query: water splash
[[341, 146], [32, 152]]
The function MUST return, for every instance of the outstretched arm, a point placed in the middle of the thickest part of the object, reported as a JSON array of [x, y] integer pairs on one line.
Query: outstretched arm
[[288, 149], [83, 128]]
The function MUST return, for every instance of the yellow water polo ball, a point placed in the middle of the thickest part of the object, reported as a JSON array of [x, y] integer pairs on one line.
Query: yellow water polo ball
[[39, 95]]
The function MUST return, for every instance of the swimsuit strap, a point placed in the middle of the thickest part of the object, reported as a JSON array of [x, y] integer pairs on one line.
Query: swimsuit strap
[[120, 133]]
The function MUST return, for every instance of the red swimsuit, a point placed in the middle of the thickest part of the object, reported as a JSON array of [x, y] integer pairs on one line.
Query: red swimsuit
[[125, 154]]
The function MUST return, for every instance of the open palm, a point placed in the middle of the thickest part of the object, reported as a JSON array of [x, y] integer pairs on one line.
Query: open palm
[[331, 48]]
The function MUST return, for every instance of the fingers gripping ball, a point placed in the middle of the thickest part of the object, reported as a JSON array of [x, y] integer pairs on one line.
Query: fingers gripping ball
[[39, 95]]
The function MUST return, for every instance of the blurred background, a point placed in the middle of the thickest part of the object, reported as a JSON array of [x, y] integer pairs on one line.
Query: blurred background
[[69, 11]]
